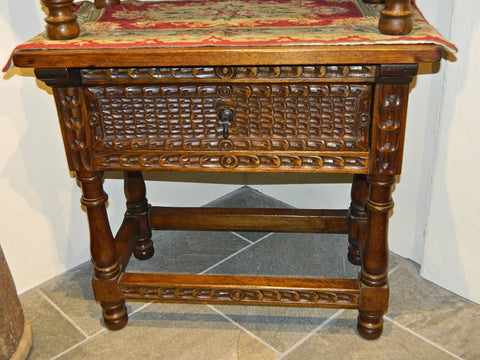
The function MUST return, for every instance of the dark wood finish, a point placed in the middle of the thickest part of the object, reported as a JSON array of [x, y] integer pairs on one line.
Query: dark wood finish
[[61, 21], [105, 3], [126, 238], [357, 218], [315, 109], [138, 208], [244, 290], [297, 220]]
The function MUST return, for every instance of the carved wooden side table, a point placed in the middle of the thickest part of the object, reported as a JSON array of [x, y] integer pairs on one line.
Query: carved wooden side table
[[275, 108]]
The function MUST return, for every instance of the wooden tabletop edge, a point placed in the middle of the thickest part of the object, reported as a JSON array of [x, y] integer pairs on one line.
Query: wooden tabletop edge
[[228, 56]]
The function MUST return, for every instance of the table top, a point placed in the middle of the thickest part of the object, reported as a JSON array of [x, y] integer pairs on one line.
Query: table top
[[226, 33]]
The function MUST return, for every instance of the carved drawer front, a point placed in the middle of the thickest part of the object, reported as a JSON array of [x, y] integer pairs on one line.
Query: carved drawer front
[[231, 126]]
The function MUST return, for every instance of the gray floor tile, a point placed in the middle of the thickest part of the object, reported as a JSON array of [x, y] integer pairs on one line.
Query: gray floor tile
[[281, 327], [246, 197], [435, 313], [292, 254], [166, 331], [51, 333], [188, 251], [338, 340], [394, 260], [72, 293]]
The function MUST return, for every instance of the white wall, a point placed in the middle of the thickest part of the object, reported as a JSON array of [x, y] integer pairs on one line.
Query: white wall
[[452, 243], [44, 230]]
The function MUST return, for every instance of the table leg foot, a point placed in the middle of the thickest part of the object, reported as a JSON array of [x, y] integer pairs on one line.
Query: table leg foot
[[144, 249], [115, 315], [370, 324]]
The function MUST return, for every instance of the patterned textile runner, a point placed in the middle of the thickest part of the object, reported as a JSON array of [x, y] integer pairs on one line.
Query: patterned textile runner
[[170, 23]]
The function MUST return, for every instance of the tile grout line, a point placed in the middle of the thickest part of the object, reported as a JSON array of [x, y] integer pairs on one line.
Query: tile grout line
[[314, 331], [144, 306], [244, 329], [89, 337], [423, 338], [61, 312], [78, 344], [321, 326], [325, 323], [242, 237], [395, 268], [234, 254]]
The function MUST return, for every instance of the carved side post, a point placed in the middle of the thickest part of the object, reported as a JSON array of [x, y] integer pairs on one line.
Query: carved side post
[[105, 3], [61, 21], [68, 92], [357, 218], [138, 207], [388, 131]]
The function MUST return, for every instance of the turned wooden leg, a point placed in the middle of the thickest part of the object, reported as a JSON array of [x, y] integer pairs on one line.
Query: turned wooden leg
[[138, 207], [61, 21], [104, 3], [374, 274], [103, 250], [396, 18], [357, 218]]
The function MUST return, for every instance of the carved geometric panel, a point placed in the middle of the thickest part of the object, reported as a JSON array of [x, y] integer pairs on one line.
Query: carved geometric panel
[[315, 117]]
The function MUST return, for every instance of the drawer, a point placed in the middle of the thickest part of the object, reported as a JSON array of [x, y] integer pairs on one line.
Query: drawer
[[294, 126]]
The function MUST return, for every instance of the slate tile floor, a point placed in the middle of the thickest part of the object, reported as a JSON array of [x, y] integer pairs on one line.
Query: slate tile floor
[[424, 321]]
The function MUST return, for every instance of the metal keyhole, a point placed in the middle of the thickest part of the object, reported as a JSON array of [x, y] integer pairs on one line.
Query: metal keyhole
[[225, 116]]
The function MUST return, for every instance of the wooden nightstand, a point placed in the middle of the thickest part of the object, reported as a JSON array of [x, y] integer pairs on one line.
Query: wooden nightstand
[[293, 107]]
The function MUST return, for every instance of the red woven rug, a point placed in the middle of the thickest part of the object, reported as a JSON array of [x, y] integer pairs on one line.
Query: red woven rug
[[234, 23]]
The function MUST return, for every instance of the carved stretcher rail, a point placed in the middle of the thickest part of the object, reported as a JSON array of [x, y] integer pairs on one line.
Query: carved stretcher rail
[[243, 290]]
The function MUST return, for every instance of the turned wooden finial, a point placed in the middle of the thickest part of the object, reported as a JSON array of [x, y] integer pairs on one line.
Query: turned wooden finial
[[61, 21], [104, 3], [396, 18]]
